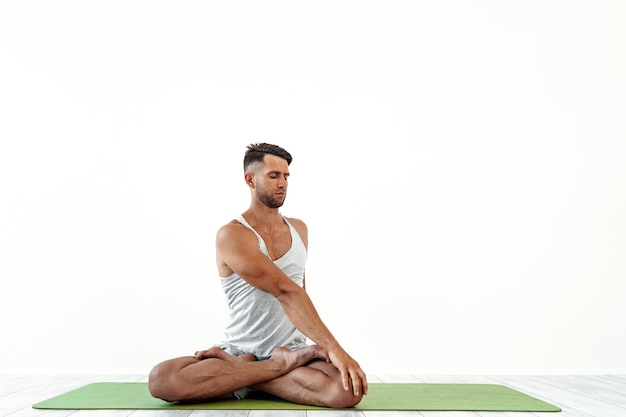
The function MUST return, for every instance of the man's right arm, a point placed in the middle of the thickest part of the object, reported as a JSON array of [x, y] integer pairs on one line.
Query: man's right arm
[[238, 248]]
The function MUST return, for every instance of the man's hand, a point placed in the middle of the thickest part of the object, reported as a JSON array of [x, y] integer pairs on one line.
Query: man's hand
[[352, 375]]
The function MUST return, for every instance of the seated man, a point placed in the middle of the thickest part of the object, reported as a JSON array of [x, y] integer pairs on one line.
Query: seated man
[[260, 259]]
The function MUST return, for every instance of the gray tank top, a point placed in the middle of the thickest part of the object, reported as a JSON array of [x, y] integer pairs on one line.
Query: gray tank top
[[258, 322]]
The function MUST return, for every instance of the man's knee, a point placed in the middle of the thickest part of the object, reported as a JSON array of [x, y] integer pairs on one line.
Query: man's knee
[[171, 382], [157, 381], [338, 397], [333, 395], [344, 399], [161, 383]]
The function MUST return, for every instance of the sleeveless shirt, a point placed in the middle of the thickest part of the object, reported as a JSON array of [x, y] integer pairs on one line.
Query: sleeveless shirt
[[258, 322]]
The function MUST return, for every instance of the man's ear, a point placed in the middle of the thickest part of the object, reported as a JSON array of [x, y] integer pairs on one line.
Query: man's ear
[[249, 177]]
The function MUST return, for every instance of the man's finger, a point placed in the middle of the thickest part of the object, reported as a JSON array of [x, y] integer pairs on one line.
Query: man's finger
[[356, 384], [364, 380], [345, 378]]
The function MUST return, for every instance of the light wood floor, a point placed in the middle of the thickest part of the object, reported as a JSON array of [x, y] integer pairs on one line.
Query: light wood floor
[[578, 396]]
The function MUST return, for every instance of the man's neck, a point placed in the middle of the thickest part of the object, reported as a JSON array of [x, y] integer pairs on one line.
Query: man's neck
[[263, 217]]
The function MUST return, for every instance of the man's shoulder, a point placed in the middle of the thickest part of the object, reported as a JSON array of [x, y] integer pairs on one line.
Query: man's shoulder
[[296, 222], [232, 229], [234, 222]]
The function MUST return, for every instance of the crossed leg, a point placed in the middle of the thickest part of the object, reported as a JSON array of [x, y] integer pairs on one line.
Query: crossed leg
[[303, 376], [318, 383]]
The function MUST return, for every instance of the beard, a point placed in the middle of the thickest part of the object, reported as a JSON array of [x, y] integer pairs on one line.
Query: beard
[[268, 199]]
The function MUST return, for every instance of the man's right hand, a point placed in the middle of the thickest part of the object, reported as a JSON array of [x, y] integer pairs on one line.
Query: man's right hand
[[352, 376]]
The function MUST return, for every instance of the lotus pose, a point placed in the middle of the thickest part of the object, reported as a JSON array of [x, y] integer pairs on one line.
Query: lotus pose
[[261, 260]]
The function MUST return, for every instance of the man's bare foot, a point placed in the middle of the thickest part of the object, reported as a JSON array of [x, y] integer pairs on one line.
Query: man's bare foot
[[219, 353], [294, 359]]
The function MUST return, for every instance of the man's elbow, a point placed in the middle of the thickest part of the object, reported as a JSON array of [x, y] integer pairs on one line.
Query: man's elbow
[[288, 293]]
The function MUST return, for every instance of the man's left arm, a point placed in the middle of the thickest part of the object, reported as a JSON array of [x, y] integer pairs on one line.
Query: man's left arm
[[351, 372]]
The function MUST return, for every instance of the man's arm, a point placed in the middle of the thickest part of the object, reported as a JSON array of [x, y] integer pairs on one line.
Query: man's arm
[[237, 247]]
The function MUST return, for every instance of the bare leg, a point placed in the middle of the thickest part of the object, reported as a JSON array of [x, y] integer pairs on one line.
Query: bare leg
[[193, 379], [318, 383]]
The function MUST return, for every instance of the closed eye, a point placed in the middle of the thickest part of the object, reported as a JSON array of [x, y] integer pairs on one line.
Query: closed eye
[[274, 175]]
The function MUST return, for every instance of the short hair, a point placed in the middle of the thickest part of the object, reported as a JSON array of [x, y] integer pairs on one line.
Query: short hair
[[257, 151]]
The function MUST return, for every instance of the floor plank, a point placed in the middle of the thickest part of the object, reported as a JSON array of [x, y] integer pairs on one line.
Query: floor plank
[[161, 413], [398, 379], [220, 413], [571, 403], [334, 413], [277, 413], [391, 413], [592, 387]]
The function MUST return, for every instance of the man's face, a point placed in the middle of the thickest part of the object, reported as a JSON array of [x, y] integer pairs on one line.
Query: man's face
[[271, 181]]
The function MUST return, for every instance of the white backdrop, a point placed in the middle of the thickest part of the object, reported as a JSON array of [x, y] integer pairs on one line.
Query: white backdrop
[[460, 166]]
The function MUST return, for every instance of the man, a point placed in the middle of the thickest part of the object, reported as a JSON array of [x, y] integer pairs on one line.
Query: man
[[261, 258]]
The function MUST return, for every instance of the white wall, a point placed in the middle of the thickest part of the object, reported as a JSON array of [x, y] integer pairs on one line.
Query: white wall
[[460, 166]]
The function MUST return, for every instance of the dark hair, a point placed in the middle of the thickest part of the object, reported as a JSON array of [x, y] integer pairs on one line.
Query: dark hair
[[256, 152]]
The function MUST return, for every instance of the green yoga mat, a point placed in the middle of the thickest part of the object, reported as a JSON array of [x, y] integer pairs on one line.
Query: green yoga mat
[[442, 397]]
